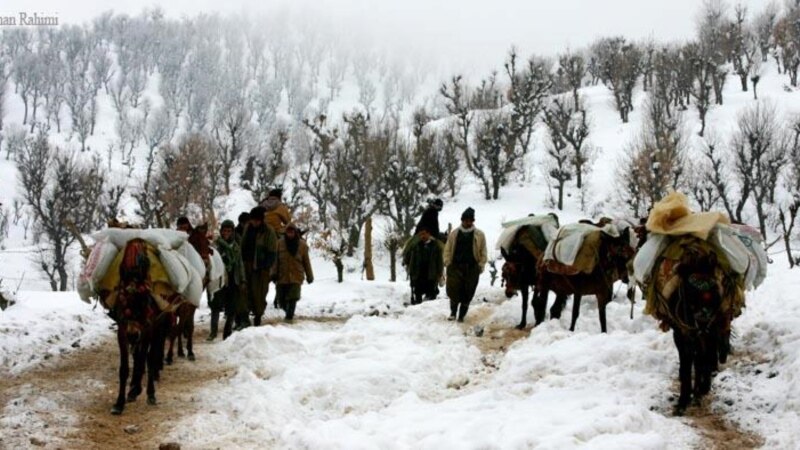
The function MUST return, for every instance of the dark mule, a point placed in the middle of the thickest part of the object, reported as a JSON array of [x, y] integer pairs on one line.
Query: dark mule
[[519, 275], [614, 255], [701, 330], [141, 325]]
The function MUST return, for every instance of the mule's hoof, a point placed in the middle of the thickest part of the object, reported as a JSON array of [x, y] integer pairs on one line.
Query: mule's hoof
[[131, 398], [117, 410], [168, 361], [678, 411], [181, 355], [151, 400], [521, 326], [190, 357]]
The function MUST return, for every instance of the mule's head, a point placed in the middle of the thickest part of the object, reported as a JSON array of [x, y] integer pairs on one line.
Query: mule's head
[[510, 277]]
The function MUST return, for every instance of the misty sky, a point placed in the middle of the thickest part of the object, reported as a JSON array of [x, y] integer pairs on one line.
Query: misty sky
[[464, 32]]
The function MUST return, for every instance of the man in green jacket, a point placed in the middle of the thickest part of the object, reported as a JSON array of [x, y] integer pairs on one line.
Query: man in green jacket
[[465, 257], [423, 261], [230, 297], [259, 246]]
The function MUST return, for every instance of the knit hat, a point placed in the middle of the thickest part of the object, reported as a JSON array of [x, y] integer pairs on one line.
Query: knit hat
[[227, 224], [244, 217], [468, 214], [437, 203], [277, 192]]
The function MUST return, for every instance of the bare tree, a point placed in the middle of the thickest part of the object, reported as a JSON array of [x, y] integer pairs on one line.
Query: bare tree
[[788, 209], [759, 150], [573, 66], [56, 186], [620, 64], [654, 162], [787, 41], [764, 25], [231, 129]]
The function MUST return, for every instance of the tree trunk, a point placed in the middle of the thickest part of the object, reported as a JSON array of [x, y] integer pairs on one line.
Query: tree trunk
[[339, 269], [755, 85], [743, 79], [560, 195], [579, 175], [368, 267], [393, 247]]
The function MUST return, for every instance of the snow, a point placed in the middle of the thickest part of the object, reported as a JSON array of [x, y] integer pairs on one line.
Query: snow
[[358, 369], [43, 326]]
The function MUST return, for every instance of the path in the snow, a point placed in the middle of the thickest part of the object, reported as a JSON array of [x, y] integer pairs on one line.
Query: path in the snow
[[73, 401]]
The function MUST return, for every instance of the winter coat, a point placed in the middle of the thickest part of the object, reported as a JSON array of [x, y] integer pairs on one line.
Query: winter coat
[[424, 261], [258, 252], [293, 269], [277, 216], [231, 255], [478, 247]]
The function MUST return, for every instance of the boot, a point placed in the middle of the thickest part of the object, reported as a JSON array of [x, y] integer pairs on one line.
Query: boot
[[462, 312], [453, 310]]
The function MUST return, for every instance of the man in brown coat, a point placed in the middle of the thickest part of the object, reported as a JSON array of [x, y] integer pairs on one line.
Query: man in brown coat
[[292, 267]]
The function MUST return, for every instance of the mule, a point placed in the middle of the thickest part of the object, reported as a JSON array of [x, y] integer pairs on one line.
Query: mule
[[701, 330], [141, 326], [615, 253], [519, 274]]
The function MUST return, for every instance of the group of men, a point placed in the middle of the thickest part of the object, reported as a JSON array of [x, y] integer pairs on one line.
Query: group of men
[[264, 247], [460, 255]]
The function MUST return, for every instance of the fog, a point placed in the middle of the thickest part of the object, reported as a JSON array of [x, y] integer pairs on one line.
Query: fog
[[457, 34]]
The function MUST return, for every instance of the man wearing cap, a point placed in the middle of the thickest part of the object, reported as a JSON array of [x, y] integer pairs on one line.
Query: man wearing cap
[[277, 214], [292, 268], [423, 261], [259, 245], [238, 232], [229, 297], [465, 257]]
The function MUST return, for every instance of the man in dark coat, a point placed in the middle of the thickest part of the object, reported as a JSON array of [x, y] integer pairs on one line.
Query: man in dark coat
[[229, 297], [238, 232], [430, 219], [465, 257], [259, 247], [425, 266]]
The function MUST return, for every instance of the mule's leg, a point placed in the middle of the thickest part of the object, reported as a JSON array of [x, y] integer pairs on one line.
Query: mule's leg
[[558, 306], [539, 303], [576, 311], [190, 336], [181, 354], [122, 341], [602, 302], [524, 294], [139, 355], [172, 336], [684, 372], [153, 365]]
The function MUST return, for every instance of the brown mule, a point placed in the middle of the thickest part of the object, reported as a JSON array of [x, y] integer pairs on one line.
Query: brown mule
[[615, 253]]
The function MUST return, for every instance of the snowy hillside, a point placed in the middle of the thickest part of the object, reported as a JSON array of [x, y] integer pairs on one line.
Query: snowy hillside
[[360, 369]]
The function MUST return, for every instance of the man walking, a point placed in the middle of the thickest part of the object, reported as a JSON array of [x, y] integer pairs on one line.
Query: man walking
[[465, 258]]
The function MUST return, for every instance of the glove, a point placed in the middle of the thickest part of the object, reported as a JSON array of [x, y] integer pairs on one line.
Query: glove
[[310, 280]]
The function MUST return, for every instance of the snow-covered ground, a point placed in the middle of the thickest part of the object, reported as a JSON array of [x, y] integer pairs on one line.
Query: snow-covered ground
[[358, 369]]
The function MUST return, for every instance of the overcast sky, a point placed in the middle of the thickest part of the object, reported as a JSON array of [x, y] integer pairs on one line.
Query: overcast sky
[[465, 32]]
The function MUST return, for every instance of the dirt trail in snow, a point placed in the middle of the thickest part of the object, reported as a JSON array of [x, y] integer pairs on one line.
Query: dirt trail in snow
[[84, 386]]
